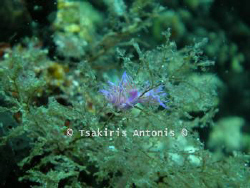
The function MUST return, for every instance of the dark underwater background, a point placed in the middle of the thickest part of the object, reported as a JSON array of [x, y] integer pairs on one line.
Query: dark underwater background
[[55, 56]]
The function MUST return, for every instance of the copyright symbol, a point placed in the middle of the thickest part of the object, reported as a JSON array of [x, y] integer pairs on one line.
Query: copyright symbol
[[69, 132], [184, 132]]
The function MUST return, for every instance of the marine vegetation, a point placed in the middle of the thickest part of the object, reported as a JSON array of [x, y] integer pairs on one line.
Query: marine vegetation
[[124, 108]]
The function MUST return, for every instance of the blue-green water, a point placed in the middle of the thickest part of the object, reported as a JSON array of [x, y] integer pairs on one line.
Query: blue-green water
[[121, 93]]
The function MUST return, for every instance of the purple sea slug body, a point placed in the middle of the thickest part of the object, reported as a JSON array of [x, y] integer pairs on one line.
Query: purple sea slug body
[[125, 94]]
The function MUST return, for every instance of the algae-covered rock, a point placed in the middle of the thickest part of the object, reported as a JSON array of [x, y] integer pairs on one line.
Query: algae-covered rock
[[227, 134]]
